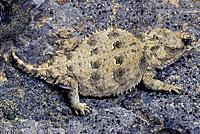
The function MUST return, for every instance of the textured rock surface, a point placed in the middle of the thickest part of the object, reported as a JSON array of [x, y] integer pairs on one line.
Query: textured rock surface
[[14, 17], [32, 106]]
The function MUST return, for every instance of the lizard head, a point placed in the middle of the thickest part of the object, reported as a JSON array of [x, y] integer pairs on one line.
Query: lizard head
[[163, 47]]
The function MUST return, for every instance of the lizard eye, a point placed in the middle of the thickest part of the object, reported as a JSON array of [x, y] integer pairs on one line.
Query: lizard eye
[[170, 49]]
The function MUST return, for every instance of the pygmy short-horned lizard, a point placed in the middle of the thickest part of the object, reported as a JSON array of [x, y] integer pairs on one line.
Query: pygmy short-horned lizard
[[108, 63]]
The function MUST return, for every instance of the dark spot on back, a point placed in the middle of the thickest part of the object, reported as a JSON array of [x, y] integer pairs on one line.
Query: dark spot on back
[[119, 59], [94, 51], [117, 44], [95, 64]]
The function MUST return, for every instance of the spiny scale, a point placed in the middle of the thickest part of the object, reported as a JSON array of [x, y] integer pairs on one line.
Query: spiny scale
[[98, 74], [109, 63]]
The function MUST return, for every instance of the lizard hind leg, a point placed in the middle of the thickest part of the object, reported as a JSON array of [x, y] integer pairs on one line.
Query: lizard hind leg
[[158, 85], [72, 85]]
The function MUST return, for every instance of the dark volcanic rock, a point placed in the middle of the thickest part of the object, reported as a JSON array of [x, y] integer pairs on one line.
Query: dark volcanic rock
[[14, 17], [30, 105]]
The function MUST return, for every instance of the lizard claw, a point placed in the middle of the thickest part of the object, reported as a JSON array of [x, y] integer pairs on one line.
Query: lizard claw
[[82, 109], [176, 89]]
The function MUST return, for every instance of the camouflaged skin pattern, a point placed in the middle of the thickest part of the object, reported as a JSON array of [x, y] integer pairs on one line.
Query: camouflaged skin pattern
[[106, 63], [163, 46], [109, 62]]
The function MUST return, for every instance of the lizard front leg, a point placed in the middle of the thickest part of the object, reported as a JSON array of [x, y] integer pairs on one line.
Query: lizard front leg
[[72, 85], [150, 82]]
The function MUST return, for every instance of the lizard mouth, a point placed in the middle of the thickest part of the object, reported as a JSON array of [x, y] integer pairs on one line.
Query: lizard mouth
[[174, 51], [172, 55]]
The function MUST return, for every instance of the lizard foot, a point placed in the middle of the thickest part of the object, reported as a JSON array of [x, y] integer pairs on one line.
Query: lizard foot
[[82, 109], [176, 89]]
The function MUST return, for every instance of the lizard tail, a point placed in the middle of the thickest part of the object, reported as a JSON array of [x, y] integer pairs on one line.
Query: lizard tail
[[29, 69]]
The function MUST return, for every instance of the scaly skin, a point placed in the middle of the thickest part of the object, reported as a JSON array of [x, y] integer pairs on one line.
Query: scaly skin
[[108, 63]]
